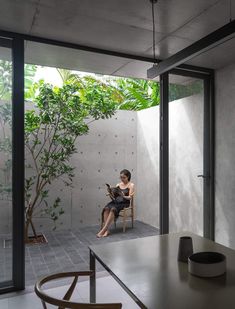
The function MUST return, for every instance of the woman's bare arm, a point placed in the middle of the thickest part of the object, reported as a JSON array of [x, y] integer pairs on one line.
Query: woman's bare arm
[[131, 192]]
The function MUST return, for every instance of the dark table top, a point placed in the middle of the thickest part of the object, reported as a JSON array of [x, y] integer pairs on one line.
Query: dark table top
[[149, 271]]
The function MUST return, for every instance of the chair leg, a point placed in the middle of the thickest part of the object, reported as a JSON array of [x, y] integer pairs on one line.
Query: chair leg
[[44, 304], [115, 223], [124, 222], [132, 221]]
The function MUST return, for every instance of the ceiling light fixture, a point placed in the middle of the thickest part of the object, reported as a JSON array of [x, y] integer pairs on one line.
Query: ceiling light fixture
[[151, 72]]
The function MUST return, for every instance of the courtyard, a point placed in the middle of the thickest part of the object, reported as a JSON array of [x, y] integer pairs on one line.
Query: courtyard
[[67, 250]]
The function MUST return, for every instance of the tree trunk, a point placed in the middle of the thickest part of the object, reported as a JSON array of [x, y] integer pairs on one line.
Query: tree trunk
[[26, 232], [28, 223]]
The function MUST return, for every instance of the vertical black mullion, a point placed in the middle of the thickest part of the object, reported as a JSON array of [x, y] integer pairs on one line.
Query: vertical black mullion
[[18, 163], [164, 154], [208, 159]]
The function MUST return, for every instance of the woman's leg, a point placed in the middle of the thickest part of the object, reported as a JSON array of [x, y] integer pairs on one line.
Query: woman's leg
[[106, 212], [109, 221]]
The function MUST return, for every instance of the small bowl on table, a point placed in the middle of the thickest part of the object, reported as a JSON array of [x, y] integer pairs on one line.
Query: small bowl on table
[[207, 264]]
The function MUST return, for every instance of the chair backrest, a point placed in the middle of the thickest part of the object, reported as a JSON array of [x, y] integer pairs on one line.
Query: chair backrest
[[65, 302]]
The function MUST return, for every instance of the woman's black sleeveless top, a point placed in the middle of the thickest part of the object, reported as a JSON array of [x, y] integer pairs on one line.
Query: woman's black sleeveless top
[[125, 191]]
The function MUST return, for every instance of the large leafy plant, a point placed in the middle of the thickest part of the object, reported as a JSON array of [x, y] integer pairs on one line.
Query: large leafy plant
[[58, 117], [137, 94]]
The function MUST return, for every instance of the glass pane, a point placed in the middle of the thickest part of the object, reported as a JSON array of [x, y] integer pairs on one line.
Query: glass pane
[[222, 59], [5, 165], [185, 154]]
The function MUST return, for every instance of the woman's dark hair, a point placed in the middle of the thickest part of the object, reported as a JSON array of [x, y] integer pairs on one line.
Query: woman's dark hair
[[126, 173]]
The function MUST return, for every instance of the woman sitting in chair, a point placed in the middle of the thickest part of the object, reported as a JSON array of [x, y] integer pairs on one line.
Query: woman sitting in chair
[[112, 209]]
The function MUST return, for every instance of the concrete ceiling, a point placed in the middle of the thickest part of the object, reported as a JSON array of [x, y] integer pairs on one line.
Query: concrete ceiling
[[218, 57], [119, 25]]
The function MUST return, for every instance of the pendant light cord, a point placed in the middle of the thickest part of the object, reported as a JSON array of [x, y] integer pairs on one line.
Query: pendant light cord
[[153, 20], [230, 10]]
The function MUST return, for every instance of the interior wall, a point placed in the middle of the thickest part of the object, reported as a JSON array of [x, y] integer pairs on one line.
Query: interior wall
[[225, 156]]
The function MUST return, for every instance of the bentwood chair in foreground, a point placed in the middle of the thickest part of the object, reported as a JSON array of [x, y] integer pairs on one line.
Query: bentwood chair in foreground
[[65, 302]]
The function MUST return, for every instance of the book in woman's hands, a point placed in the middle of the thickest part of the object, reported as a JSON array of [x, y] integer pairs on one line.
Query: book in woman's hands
[[114, 192]]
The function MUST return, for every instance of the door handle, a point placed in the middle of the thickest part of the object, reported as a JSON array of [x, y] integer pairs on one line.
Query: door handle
[[203, 176]]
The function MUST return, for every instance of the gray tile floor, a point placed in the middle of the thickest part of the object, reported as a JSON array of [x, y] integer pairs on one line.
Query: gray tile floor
[[5, 258], [67, 250]]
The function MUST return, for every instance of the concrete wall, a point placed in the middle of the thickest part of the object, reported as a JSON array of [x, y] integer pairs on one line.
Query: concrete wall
[[148, 166], [225, 156], [109, 147], [185, 163], [102, 154]]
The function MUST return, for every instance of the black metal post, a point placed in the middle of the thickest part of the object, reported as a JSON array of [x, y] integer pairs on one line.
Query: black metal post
[[164, 154], [18, 163], [211, 40], [5, 42], [92, 278], [208, 159]]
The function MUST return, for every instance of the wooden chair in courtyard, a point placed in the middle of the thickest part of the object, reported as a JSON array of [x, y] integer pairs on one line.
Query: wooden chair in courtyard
[[125, 214], [65, 301]]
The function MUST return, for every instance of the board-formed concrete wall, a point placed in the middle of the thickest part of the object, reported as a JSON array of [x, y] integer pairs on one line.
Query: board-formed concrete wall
[[185, 163], [225, 156], [109, 147]]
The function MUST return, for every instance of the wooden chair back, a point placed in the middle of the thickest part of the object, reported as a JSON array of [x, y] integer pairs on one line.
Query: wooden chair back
[[65, 302], [126, 213]]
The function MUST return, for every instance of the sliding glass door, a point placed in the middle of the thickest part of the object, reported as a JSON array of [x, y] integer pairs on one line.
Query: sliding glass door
[[5, 163], [187, 152], [186, 110], [11, 164]]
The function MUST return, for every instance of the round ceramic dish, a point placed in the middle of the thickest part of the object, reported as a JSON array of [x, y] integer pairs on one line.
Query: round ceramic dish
[[207, 264]]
